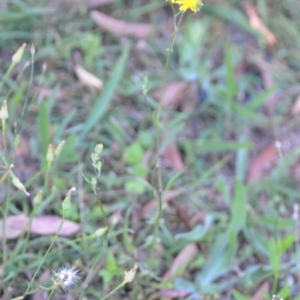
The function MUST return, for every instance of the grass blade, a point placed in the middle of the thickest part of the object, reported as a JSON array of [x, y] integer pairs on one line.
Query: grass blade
[[101, 103]]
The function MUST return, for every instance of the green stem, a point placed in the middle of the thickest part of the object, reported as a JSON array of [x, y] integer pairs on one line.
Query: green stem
[[5, 215], [114, 290], [47, 171], [51, 293], [42, 261], [4, 134], [275, 283], [40, 287], [12, 65], [158, 131]]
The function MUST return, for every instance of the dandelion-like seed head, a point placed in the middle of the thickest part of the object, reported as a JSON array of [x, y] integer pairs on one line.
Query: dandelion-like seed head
[[67, 278]]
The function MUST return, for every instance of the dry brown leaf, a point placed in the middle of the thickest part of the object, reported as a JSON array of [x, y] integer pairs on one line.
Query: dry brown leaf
[[48, 225], [96, 3], [181, 261], [121, 28], [173, 156], [43, 225], [86, 78], [173, 93], [15, 225], [151, 205], [263, 289], [257, 24], [261, 162]]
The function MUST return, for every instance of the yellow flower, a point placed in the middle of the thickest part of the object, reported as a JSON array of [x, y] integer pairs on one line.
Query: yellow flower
[[184, 5]]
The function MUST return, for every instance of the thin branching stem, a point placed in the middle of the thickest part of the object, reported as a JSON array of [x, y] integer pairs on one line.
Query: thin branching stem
[[114, 290], [157, 170]]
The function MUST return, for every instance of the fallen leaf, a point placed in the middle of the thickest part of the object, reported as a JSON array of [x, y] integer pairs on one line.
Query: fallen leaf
[[86, 78], [262, 291], [96, 3], [181, 261], [264, 160], [121, 28], [15, 225], [148, 209], [48, 225], [173, 156], [257, 24], [183, 214], [43, 225], [173, 93]]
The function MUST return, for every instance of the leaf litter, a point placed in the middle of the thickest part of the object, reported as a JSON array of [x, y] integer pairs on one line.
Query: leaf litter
[[42, 225]]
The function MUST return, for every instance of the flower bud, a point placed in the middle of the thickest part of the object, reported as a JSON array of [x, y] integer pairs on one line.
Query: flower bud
[[98, 148], [16, 58], [101, 231], [58, 149], [94, 183], [32, 49], [38, 198], [94, 157], [67, 201], [3, 111], [50, 154], [129, 276], [18, 184]]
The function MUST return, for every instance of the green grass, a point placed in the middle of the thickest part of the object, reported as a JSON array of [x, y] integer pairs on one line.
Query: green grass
[[221, 236]]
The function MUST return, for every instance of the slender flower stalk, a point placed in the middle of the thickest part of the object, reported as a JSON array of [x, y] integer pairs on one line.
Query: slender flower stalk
[[128, 277], [65, 206], [177, 22]]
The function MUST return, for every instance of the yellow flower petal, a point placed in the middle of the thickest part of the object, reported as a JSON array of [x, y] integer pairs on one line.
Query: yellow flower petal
[[184, 5]]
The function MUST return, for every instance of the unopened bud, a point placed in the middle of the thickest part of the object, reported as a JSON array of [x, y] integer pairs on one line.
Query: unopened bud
[[94, 157], [129, 276], [94, 183], [3, 111], [18, 184], [101, 231], [98, 166], [67, 201], [16, 58], [98, 148], [32, 49], [58, 149], [145, 85], [50, 154], [38, 198]]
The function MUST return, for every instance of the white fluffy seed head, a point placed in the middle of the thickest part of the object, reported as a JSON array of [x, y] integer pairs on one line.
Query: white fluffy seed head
[[67, 278]]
